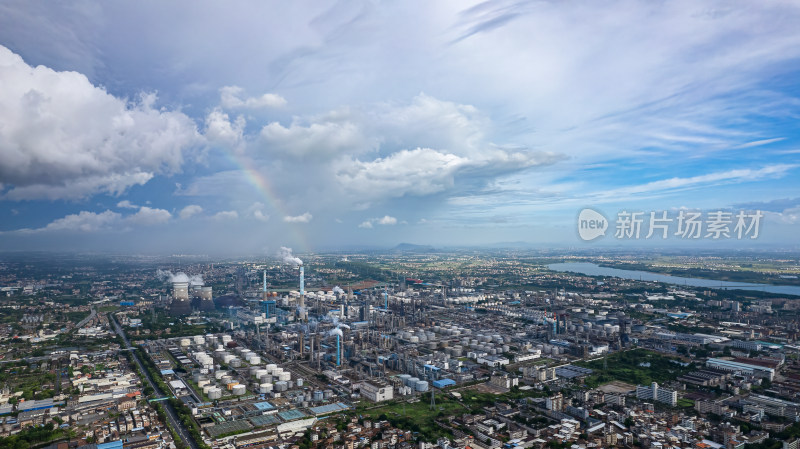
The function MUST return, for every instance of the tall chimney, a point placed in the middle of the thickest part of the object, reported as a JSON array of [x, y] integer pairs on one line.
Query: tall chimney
[[302, 286]]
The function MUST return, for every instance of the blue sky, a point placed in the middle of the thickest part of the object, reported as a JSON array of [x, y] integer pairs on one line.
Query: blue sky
[[207, 127]]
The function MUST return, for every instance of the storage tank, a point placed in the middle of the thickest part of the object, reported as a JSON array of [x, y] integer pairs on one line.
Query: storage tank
[[255, 359], [299, 382], [220, 374], [327, 394], [260, 373], [266, 378], [264, 388], [284, 376], [199, 340], [239, 390], [411, 381], [214, 393], [185, 342], [317, 396], [421, 386], [281, 386], [271, 368], [236, 362]]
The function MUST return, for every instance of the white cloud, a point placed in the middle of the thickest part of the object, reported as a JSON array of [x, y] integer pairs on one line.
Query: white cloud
[[327, 139], [62, 137], [231, 98], [387, 220], [304, 218], [83, 221], [89, 222], [425, 171], [226, 215], [220, 129], [125, 204], [148, 216], [673, 184], [256, 210], [189, 211]]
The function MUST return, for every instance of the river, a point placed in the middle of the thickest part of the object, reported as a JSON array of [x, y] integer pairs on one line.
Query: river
[[592, 269]]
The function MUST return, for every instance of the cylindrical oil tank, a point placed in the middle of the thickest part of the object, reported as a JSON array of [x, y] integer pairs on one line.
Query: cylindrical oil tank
[[236, 362], [299, 382], [327, 394], [317, 396], [185, 342], [284, 376], [239, 390], [264, 388], [411, 381], [281, 386], [421, 386], [254, 360], [214, 393]]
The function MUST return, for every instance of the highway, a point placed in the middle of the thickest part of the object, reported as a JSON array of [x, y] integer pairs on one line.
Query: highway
[[172, 417]]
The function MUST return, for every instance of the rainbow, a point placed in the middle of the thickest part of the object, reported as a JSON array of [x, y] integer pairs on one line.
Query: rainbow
[[267, 192]]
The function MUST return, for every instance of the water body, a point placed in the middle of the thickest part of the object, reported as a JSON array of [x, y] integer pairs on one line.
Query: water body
[[592, 269]]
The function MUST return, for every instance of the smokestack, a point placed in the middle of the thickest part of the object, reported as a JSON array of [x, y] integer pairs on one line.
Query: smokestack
[[338, 351], [302, 287]]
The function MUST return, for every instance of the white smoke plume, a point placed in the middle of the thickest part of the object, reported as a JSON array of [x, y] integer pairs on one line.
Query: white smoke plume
[[343, 325], [336, 331], [337, 290], [286, 255], [180, 277]]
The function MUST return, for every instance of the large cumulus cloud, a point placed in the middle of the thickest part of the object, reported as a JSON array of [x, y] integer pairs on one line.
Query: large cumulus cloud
[[63, 138]]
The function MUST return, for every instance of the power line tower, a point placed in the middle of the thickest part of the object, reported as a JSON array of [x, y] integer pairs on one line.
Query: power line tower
[[433, 399]]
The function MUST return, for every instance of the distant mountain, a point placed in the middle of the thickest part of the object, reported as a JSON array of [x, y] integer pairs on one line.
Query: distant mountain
[[410, 247]]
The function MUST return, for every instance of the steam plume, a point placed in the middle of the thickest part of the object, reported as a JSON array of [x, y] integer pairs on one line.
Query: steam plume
[[180, 277], [287, 256]]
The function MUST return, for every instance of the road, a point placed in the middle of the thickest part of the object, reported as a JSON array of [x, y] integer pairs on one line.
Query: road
[[172, 417], [86, 320]]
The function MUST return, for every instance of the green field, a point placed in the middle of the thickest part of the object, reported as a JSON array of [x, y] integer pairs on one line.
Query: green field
[[418, 416], [626, 367]]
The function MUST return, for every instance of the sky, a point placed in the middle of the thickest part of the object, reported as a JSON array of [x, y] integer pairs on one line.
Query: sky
[[205, 127]]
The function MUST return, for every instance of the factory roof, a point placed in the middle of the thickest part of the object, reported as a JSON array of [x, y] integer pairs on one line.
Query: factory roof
[[328, 408], [263, 406], [441, 383]]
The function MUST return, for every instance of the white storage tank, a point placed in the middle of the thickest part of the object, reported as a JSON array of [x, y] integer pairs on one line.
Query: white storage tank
[[214, 393], [265, 388], [284, 376], [255, 360], [260, 373], [220, 374], [239, 390], [281, 386], [236, 362], [411, 381], [421, 386], [299, 382], [185, 342]]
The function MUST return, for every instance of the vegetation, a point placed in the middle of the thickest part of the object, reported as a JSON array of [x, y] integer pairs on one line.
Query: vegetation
[[33, 436], [631, 367]]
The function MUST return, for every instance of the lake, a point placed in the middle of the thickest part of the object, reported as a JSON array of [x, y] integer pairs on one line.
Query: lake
[[592, 269]]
